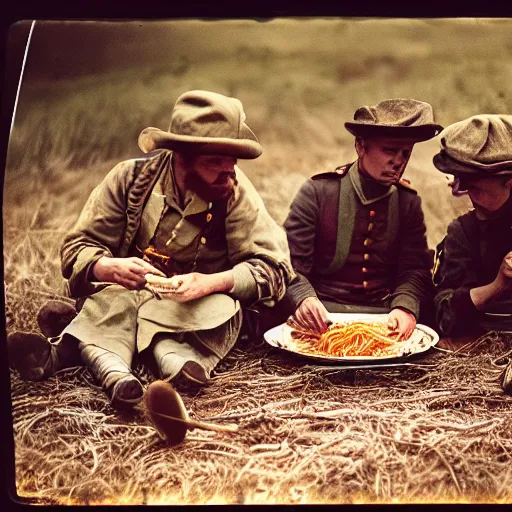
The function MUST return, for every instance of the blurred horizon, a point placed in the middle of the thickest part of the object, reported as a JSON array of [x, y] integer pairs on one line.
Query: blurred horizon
[[120, 44], [90, 87]]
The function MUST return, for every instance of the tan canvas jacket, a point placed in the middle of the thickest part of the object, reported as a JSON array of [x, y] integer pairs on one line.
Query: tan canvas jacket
[[256, 247]]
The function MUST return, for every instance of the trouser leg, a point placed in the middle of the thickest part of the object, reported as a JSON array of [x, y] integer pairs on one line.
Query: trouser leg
[[108, 319], [174, 357], [114, 375], [106, 327], [195, 354]]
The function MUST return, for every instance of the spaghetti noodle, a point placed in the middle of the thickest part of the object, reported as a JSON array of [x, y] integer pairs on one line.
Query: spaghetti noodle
[[349, 339]]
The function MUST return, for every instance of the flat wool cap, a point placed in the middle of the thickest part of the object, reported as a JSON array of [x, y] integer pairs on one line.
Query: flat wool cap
[[481, 144]]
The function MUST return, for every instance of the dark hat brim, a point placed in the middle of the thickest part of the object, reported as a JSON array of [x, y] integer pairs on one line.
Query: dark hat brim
[[154, 138], [418, 133], [445, 163]]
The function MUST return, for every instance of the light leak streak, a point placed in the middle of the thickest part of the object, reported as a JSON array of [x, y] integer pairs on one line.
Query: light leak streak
[[21, 75], [308, 498]]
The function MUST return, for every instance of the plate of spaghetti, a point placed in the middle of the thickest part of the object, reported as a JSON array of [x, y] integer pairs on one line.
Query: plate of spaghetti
[[352, 337]]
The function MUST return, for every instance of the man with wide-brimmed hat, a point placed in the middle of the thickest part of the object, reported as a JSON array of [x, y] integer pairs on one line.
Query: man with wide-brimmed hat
[[474, 272], [357, 235], [183, 221]]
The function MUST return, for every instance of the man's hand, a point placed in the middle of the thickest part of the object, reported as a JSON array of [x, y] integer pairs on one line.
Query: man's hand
[[128, 272], [195, 285], [504, 277], [487, 293], [402, 321], [312, 315]]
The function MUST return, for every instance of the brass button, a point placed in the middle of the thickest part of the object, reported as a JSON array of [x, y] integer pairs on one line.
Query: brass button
[[364, 269], [203, 240], [370, 226], [367, 242], [209, 217], [365, 284], [366, 257], [372, 213]]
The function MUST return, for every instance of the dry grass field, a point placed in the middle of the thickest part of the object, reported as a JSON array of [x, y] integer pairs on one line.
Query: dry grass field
[[438, 430]]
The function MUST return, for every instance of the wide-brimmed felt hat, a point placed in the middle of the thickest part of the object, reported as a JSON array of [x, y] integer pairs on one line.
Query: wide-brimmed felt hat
[[204, 122], [400, 117], [481, 144]]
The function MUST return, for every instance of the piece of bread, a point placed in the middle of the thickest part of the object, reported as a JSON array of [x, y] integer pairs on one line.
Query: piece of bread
[[153, 279]]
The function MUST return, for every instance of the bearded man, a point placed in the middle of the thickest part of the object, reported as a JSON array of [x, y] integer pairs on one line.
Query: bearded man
[[185, 215]]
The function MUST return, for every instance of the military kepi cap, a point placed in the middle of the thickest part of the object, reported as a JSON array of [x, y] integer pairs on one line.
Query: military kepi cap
[[400, 117], [481, 144], [204, 122]]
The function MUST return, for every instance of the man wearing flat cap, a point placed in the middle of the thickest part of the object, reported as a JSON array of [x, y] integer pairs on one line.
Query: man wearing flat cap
[[357, 235], [184, 212], [474, 273]]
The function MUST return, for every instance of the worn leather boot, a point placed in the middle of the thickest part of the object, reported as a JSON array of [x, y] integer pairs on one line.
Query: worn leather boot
[[54, 316], [122, 387], [36, 358], [171, 363], [506, 379]]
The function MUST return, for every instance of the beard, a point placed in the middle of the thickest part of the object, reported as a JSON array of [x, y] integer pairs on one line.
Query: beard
[[221, 188]]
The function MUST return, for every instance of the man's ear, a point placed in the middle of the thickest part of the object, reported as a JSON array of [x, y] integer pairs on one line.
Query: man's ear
[[360, 145], [508, 183]]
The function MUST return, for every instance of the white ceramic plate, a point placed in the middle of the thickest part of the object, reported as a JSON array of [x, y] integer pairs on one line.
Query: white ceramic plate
[[421, 340]]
